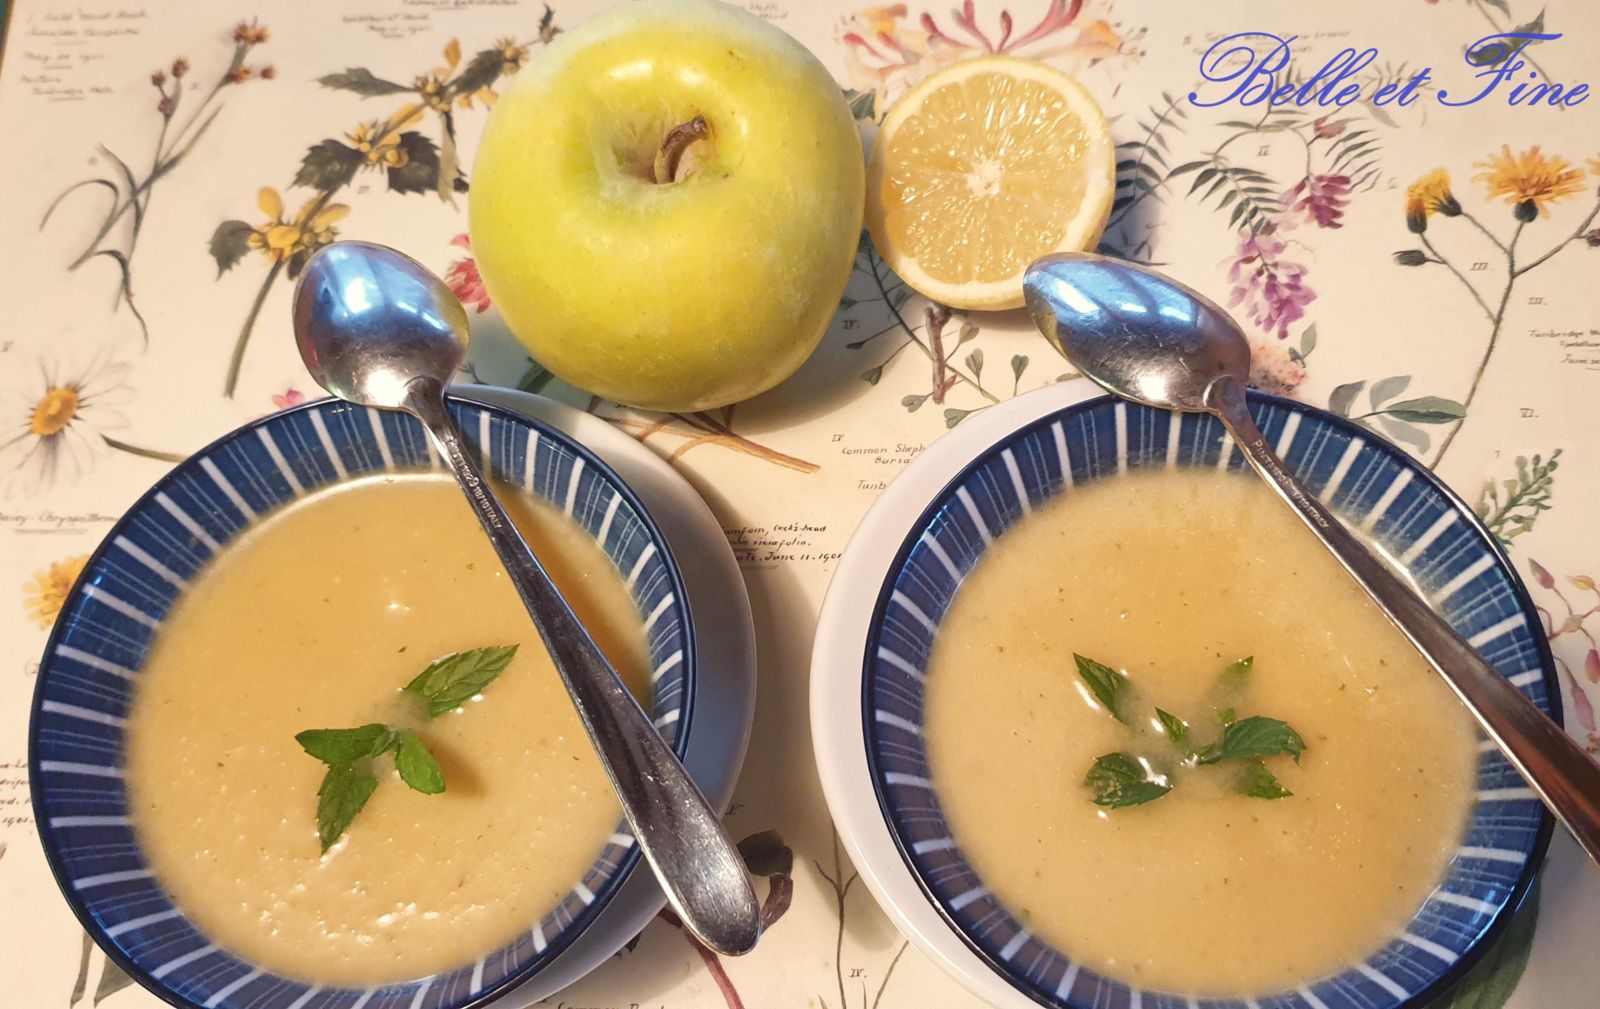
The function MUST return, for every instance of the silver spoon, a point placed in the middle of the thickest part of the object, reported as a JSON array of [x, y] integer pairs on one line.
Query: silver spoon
[[376, 328], [1152, 340]]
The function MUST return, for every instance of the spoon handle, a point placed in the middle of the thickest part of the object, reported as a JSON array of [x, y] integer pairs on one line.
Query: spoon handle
[[677, 830], [1556, 767]]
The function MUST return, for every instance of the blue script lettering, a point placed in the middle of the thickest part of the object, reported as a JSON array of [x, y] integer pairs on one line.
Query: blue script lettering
[[1255, 75], [1253, 68], [1401, 95], [1506, 48]]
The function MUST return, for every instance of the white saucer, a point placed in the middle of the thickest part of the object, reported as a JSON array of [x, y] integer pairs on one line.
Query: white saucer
[[725, 689]]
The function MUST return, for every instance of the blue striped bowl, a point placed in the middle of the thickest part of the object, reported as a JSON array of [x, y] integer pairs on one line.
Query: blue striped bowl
[[1370, 484], [92, 661]]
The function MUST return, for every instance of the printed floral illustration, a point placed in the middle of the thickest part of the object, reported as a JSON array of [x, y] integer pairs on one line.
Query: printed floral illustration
[[840, 885], [393, 149], [1511, 506], [1527, 185], [937, 334], [94, 966], [44, 593], [1571, 636], [131, 193], [57, 421], [463, 280], [887, 52]]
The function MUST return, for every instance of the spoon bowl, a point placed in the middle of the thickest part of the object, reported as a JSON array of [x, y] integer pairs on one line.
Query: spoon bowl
[[367, 321], [1133, 331]]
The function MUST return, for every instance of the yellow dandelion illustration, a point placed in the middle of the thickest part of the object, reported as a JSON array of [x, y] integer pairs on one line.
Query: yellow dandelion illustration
[[1427, 196], [45, 593], [1530, 181]]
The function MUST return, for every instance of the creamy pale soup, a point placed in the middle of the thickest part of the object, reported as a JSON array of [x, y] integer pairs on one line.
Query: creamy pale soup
[[317, 618], [1170, 576]]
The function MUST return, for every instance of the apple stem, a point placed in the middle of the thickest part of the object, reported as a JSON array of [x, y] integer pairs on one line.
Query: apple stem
[[677, 141]]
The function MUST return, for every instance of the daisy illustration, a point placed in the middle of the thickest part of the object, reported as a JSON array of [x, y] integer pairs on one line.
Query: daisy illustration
[[53, 422]]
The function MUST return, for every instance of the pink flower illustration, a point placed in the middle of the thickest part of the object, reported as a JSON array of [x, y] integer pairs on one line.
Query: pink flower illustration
[[1325, 128], [287, 398], [1273, 369], [1321, 198], [887, 53], [1272, 289], [462, 278]]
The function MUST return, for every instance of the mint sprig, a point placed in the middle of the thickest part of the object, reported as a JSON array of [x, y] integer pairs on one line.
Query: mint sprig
[[1252, 737], [1108, 686], [416, 765], [455, 679], [1259, 783], [1125, 779], [446, 684], [1118, 779], [344, 791]]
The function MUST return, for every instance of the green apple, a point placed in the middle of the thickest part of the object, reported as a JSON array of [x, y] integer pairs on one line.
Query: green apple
[[666, 204]]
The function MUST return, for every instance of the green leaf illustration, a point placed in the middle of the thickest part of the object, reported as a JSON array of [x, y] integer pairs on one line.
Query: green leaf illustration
[[1409, 434], [327, 166], [362, 82], [861, 103], [420, 173], [1427, 410], [480, 72], [229, 243], [1385, 389], [1342, 397]]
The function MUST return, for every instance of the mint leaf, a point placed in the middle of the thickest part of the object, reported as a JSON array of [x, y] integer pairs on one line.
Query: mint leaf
[[1176, 728], [416, 765], [344, 791], [1107, 685], [1236, 674], [346, 746], [1254, 737], [1227, 716], [1258, 783], [1119, 780], [451, 681]]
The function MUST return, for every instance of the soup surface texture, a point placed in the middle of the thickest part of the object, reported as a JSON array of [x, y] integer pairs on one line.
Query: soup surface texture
[[1170, 576], [315, 619]]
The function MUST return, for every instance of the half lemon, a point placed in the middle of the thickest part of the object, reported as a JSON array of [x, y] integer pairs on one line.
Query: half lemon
[[983, 168]]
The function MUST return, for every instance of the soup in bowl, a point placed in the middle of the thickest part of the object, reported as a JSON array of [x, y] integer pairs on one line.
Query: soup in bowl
[[1141, 742], [296, 742]]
